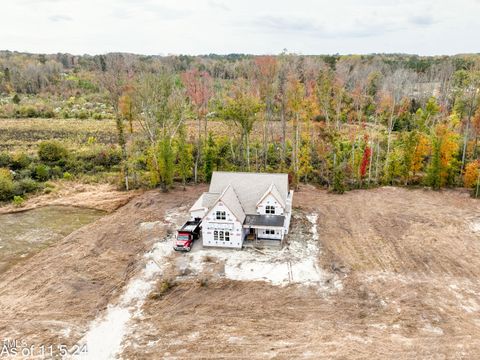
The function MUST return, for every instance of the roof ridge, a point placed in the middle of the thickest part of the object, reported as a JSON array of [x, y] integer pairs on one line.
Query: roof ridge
[[249, 172]]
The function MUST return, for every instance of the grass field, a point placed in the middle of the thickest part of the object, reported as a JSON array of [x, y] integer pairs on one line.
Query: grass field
[[24, 134]]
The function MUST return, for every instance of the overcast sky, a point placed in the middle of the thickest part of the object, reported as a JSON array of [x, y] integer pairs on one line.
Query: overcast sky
[[425, 27]]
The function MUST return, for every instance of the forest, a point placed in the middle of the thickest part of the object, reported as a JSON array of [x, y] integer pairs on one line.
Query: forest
[[340, 122]]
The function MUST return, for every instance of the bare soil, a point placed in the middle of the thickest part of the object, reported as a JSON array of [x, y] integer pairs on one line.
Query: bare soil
[[69, 193], [408, 262]]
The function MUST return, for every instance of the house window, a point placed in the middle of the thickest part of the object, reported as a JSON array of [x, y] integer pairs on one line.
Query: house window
[[269, 209], [221, 235], [227, 236], [220, 215], [269, 232], [215, 235]]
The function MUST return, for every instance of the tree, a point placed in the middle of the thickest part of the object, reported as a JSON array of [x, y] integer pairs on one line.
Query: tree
[[210, 155], [184, 156], [242, 109], [165, 163], [295, 95], [266, 71], [199, 89], [435, 167], [115, 78]]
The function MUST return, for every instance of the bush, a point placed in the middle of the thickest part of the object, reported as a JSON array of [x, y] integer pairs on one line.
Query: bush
[[18, 200], [20, 160], [5, 159], [52, 152], [107, 157], [56, 172], [16, 99], [67, 176], [42, 172], [25, 186], [6, 184], [22, 174]]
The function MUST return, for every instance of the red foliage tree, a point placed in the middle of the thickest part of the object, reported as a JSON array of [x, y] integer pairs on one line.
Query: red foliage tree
[[365, 161]]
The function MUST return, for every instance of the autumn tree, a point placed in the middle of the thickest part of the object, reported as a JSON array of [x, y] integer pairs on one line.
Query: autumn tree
[[115, 78], [199, 89], [266, 72], [242, 108]]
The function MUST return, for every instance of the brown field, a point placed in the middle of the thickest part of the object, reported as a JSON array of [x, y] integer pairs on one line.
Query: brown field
[[24, 134], [406, 266]]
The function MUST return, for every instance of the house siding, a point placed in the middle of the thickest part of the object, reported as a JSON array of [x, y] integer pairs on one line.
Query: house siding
[[271, 201], [261, 233], [230, 224]]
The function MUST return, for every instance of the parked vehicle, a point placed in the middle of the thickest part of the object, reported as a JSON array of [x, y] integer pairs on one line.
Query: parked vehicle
[[187, 234]]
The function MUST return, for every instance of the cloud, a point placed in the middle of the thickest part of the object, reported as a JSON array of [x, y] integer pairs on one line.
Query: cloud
[[59, 18], [220, 5], [145, 7], [359, 28], [421, 20]]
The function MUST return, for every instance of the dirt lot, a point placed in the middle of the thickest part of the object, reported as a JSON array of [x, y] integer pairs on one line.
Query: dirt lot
[[398, 277]]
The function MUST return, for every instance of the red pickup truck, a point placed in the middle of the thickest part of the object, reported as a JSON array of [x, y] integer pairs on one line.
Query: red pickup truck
[[187, 234]]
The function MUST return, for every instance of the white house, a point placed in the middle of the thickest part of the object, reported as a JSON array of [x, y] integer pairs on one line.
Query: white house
[[241, 205]]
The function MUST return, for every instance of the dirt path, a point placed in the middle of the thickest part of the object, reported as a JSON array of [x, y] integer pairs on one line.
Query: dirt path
[[51, 298]]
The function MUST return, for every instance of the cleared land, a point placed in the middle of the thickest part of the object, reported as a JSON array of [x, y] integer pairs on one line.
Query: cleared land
[[398, 278]]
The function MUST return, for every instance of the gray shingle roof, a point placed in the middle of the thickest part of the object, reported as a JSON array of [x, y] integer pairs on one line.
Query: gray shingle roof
[[206, 200], [249, 187], [265, 220], [230, 199]]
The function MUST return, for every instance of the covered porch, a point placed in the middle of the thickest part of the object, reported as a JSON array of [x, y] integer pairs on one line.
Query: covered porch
[[264, 230]]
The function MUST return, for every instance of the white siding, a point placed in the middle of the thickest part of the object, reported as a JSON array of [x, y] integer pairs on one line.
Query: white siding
[[270, 201], [230, 224], [261, 233]]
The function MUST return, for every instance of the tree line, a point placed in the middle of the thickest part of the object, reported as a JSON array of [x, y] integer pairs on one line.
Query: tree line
[[343, 122]]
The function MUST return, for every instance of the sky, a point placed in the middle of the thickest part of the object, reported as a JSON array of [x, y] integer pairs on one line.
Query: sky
[[162, 27]]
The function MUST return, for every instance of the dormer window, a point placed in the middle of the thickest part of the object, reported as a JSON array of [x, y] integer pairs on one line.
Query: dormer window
[[270, 209], [220, 215]]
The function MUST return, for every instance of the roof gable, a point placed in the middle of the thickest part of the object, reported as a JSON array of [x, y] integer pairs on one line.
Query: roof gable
[[229, 198], [275, 193], [250, 187]]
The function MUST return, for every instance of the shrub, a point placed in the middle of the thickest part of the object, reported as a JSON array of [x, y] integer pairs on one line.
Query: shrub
[[25, 186], [42, 172], [20, 160], [56, 172], [83, 114], [5, 159], [67, 176], [18, 200], [163, 288], [107, 157], [16, 99], [52, 152], [6, 184], [22, 174]]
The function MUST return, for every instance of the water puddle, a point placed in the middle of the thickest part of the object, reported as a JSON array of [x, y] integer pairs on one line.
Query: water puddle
[[23, 234]]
